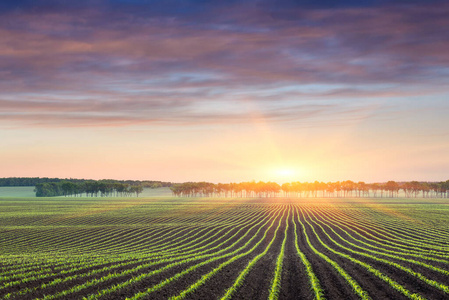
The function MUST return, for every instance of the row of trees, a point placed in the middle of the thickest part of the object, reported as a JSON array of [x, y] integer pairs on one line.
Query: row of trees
[[33, 181], [103, 188], [346, 188], [25, 181]]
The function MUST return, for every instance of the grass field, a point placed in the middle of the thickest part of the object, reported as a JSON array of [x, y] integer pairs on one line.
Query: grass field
[[193, 248], [17, 191], [28, 191]]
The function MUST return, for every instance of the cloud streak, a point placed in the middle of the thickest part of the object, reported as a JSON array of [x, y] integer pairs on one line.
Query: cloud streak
[[79, 68], [112, 115]]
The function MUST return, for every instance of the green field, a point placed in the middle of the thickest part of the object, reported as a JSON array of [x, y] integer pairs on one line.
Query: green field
[[204, 248], [28, 191], [16, 191]]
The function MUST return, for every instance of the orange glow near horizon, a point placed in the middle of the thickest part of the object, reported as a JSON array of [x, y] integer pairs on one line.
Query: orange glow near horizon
[[260, 152], [286, 174], [128, 95]]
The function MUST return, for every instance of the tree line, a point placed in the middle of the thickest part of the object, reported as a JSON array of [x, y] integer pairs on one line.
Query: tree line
[[33, 181], [346, 188], [92, 188]]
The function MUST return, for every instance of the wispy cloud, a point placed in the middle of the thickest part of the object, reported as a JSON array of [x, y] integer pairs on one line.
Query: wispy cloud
[[80, 114], [118, 65]]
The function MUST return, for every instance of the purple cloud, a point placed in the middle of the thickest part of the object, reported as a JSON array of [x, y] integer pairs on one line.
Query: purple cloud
[[103, 66]]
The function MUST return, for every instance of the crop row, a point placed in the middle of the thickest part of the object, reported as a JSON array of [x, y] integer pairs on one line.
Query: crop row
[[239, 248]]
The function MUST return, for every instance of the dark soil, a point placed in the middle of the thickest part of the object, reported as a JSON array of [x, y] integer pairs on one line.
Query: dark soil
[[294, 280]]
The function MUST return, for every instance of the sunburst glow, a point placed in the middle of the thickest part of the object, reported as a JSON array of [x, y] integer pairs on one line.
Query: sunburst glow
[[224, 99], [285, 174]]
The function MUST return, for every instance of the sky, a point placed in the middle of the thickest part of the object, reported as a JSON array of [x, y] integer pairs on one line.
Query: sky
[[225, 91]]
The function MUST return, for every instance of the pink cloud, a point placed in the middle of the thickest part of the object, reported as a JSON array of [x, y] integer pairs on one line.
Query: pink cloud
[[168, 68]]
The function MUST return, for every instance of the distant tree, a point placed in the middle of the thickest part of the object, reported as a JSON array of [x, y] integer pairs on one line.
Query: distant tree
[[330, 189], [415, 188], [156, 185], [68, 188], [348, 186], [393, 188], [176, 189], [286, 188], [106, 188], [137, 189]]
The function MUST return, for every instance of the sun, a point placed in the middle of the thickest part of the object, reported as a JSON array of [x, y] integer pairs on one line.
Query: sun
[[284, 174]]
